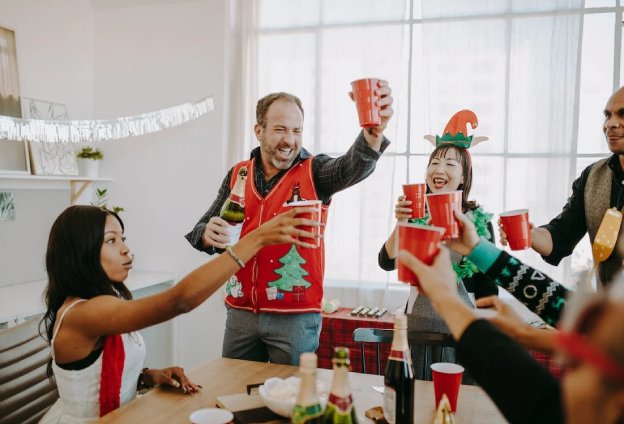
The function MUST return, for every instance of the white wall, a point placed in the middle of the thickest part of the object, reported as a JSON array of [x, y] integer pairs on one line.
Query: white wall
[[54, 42], [108, 59], [149, 57]]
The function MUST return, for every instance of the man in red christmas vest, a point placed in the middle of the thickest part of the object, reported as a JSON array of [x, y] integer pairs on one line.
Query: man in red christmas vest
[[274, 301]]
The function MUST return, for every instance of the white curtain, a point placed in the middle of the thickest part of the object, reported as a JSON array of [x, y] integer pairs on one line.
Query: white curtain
[[9, 80], [515, 63], [241, 93]]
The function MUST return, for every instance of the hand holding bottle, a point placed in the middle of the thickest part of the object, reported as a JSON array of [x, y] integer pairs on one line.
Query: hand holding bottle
[[216, 233]]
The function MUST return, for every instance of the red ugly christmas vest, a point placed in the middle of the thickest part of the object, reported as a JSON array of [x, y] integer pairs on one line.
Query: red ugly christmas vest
[[283, 278]]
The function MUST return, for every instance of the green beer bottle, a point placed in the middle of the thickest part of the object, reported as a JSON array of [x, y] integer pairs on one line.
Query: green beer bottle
[[340, 408], [308, 406], [233, 209]]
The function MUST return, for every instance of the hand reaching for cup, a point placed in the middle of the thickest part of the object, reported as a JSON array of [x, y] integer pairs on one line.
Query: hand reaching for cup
[[437, 280], [468, 237]]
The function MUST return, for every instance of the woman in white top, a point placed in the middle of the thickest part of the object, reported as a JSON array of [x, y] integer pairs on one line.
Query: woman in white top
[[92, 321]]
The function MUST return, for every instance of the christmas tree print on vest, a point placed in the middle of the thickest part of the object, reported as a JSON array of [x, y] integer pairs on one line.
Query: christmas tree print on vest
[[291, 279]]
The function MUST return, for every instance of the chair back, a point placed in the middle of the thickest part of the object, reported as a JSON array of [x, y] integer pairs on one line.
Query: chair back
[[384, 335], [26, 393], [372, 335]]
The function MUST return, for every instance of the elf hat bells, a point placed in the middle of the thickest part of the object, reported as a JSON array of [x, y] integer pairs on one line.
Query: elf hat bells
[[456, 132]]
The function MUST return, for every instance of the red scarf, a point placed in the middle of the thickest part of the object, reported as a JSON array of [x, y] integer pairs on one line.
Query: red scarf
[[112, 369]]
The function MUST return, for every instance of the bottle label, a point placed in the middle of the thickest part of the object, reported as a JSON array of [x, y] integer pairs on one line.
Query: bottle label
[[303, 414], [389, 407], [342, 405], [400, 355], [234, 232]]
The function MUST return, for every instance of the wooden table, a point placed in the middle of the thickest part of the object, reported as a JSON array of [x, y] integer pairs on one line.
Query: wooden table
[[230, 376]]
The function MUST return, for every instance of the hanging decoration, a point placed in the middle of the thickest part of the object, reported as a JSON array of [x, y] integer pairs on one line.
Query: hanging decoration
[[78, 131]]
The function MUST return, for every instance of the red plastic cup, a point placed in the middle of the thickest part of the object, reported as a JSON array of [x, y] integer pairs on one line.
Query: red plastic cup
[[447, 378], [441, 208], [422, 241], [516, 226], [366, 101], [416, 194], [315, 216]]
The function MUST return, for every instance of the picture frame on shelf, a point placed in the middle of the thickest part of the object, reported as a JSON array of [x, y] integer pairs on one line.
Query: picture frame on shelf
[[49, 158], [53, 158], [43, 109], [14, 157]]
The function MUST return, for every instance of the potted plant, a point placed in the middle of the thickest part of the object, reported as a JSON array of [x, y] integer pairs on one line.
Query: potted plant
[[89, 161], [100, 198]]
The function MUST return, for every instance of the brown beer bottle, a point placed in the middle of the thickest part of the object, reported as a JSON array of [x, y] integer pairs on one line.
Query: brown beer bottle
[[399, 377]]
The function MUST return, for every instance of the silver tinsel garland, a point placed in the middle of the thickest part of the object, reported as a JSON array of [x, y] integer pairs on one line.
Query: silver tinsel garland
[[78, 131]]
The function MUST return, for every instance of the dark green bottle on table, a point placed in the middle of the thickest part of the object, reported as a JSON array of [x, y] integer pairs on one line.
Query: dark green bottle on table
[[233, 209], [340, 408], [308, 406]]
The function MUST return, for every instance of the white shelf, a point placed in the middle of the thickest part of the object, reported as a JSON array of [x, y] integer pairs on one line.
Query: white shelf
[[18, 301], [77, 183]]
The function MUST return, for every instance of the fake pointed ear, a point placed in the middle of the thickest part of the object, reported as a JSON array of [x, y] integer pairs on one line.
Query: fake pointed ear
[[431, 139], [477, 140]]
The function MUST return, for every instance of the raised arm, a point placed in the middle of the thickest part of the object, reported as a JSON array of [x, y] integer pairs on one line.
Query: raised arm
[[332, 175], [123, 316], [527, 392], [536, 290]]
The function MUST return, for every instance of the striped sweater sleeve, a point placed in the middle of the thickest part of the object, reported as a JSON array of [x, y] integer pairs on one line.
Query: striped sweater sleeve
[[536, 290]]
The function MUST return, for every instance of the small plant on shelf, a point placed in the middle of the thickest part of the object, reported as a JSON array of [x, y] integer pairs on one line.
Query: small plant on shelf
[[90, 153], [100, 199]]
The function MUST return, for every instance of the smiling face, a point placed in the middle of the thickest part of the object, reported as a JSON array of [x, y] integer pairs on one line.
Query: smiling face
[[613, 126], [445, 171], [281, 136], [115, 255]]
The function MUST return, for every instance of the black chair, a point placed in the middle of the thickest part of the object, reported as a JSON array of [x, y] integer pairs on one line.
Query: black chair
[[26, 393], [414, 338]]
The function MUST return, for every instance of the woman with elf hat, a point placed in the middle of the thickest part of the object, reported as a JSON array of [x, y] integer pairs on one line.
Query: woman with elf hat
[[449, 169]]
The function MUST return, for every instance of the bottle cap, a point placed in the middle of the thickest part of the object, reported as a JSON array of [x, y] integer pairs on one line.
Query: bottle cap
[[341, 355]]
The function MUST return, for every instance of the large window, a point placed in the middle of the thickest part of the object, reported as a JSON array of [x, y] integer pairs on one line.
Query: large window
[[536, 73]]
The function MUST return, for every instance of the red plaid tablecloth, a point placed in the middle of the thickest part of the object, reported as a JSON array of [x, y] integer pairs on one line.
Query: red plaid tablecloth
[[338, 331]]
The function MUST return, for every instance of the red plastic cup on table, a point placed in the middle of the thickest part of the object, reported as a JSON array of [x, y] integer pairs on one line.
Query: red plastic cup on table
[[447, 378], [422, 241], [516, 226], [416, 194], [441, 209], [315, 216], [366, 101]]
